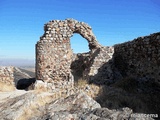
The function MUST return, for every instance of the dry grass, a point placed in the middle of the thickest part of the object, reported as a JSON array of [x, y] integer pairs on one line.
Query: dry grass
[[91, 90], [6, 88], [39, 87], [80, 83]]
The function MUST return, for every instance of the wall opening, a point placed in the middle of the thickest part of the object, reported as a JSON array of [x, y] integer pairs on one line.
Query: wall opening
[[79, 44], [80, 48]]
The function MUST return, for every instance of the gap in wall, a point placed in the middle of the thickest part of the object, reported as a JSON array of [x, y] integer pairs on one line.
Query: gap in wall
[[79, 44]]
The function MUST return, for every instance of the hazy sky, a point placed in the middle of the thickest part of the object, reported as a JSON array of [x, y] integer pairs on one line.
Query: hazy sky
[[112, 21]]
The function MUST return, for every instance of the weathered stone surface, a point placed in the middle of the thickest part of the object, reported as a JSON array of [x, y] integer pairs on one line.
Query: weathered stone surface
[[54, 55], [139, 58], [56, 64], [7, 79], [43, 106], [6, 75]]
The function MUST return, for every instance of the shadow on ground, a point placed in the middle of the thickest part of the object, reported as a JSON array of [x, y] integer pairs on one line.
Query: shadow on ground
[[120, 91], [24, 83]]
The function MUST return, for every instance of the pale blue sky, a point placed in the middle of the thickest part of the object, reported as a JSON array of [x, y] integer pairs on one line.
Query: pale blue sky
[[112, 21]]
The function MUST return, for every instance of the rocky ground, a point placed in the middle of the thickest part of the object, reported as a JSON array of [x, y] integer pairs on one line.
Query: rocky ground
[[34, 105], [124, 100]]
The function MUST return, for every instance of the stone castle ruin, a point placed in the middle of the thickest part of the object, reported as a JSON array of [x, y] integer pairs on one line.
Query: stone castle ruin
[[119, 77], [58, 66], [54, 56]]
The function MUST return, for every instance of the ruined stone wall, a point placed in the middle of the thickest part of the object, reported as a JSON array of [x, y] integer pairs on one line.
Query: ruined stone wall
[[54, 54], [6, 75], [87, 65], [100, 57], [139, 58], [58, 67]]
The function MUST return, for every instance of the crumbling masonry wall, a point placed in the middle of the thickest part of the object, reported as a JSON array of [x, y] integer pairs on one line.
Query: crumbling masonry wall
[[56, 64], [139, 58], [88, 66], [53, 52], [6, 76]]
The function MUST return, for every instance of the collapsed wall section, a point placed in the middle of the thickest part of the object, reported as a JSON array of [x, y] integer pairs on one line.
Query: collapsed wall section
[[93, 67], [139, 58], [6, 75], [99, 58], [7, 78]]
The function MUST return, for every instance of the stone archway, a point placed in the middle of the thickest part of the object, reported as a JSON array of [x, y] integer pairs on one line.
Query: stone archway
[[54, 54]]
